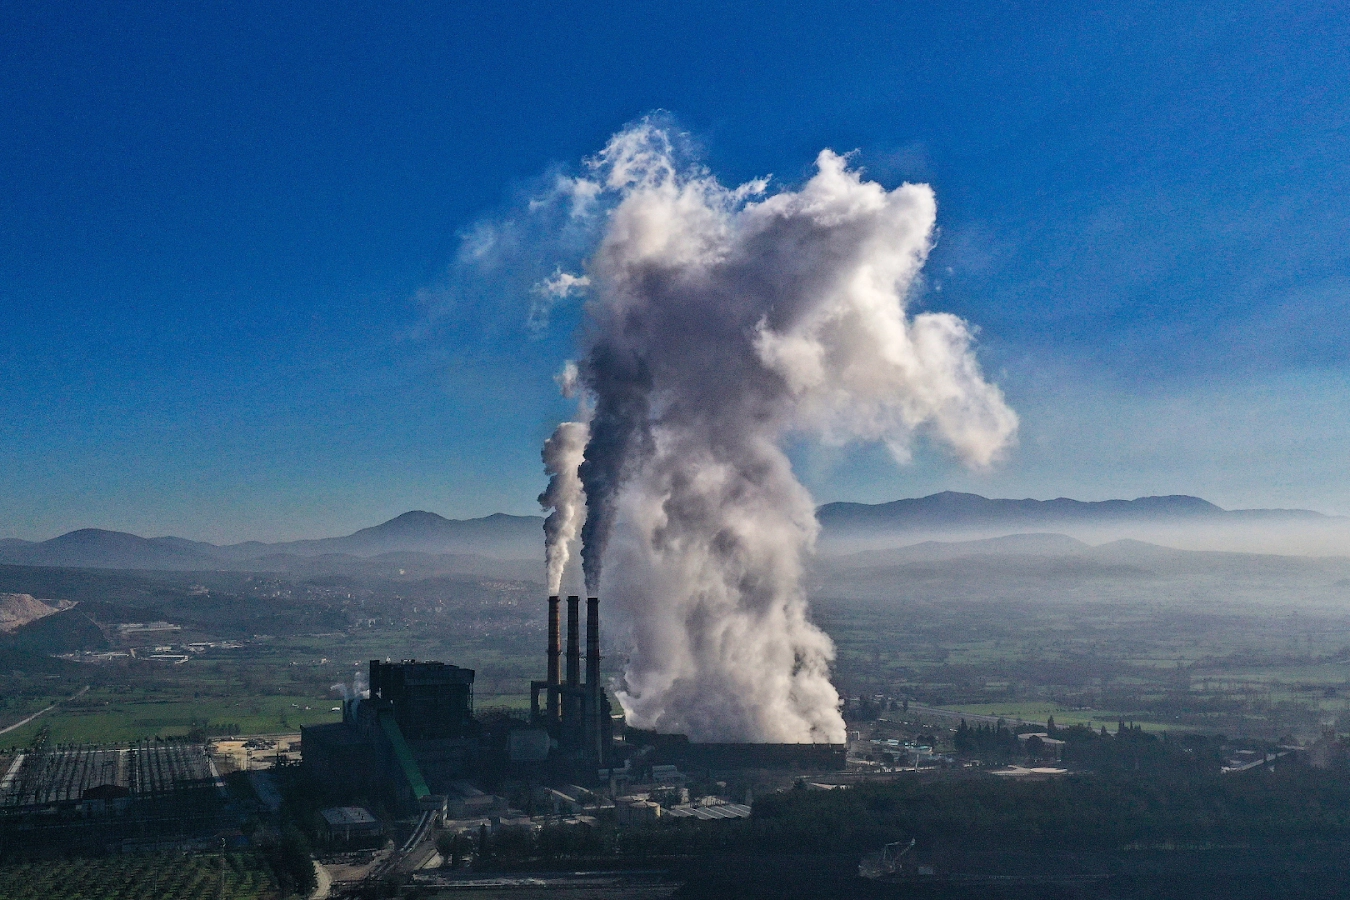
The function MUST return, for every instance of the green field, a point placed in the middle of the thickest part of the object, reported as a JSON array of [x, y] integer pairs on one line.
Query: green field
[[104, 717], [1195, 648], [269, 686], [163, 876], [1244, 669], [1039, 712]]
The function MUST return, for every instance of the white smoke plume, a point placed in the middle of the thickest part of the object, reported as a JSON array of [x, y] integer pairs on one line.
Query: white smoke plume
[[359, 689], [721, 321], [564, 498]]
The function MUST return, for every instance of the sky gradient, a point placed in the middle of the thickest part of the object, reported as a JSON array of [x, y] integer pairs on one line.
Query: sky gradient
[[230, 306]]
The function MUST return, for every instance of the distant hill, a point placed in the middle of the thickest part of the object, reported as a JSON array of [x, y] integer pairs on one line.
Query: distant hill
[[1056, 568], [930, 551], [500, 535], [474, 545], [111, 550], [952, 510], [500, 545], [1174, 521]]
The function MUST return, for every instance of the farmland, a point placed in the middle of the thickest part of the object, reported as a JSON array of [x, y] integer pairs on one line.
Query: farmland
[[1204, 642], [165, 876], [1180, 644]]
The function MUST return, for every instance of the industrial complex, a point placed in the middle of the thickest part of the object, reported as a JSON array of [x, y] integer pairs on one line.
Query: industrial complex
[[414, 737], [409, 748]]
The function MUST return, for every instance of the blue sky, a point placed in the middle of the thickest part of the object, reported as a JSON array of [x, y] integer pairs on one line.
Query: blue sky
[[229, 305]]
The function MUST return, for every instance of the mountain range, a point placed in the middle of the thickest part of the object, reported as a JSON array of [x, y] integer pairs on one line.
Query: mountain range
[[952, 510], [410, 537], [513, 544]]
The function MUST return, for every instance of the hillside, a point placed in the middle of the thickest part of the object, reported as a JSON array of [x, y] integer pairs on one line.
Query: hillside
[[17, 610]]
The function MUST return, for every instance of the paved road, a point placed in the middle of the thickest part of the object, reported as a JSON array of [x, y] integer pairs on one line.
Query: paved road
[[23, 722]]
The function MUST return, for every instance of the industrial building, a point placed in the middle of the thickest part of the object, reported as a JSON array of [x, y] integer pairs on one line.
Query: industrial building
[[54, 799], [69, 778], [350, 827], [678, 750], [406, 742], [415, 736], [416, 733]]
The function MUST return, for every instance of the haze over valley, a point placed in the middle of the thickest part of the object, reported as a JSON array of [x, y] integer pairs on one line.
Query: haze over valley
[[1033, 618]]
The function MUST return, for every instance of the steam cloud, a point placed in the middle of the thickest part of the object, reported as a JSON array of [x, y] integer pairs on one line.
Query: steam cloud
[[563, 497], [359, 689], [720, 321]]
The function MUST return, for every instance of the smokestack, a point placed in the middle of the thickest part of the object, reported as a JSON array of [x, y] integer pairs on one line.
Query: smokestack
[[593, 675], [554, 657], [573, 658]]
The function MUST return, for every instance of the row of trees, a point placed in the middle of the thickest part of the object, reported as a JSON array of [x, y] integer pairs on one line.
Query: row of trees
[[992, 743]]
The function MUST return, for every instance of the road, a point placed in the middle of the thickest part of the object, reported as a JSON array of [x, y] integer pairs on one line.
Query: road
[[23, 722], [323, 884]]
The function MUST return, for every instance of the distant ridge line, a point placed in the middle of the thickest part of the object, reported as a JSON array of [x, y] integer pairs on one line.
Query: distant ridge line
[[518, 539], [954, 509], [498, 535]]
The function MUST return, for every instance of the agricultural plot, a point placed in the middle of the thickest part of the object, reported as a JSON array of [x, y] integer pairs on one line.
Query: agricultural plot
[[175, 876], [124, 721], [270, 686], [1031, 711], [1169, 651]]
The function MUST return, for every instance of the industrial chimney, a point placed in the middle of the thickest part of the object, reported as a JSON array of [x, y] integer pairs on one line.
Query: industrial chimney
[[593, 690], [554, 658], [571, 704]]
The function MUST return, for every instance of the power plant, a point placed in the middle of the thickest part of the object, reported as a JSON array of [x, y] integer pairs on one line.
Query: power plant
[[576, 716], [415, 735]]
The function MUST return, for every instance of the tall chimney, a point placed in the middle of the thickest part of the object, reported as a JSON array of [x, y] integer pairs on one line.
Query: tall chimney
[[570, 705], [593, 676], [554, 657]]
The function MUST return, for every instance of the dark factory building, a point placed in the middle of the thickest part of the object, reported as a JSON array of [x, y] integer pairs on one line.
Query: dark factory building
[[430, 700], [407, 741], [676, 749], [416, 733]]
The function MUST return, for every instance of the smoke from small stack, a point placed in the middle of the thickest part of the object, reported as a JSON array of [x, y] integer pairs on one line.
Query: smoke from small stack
[[563, 498], [721, 321]]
